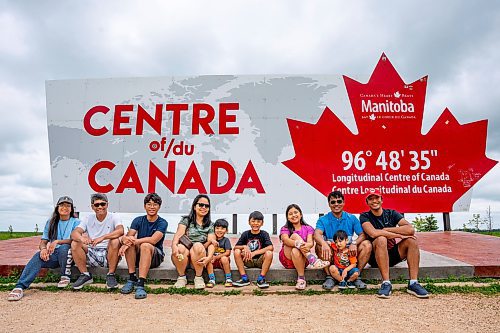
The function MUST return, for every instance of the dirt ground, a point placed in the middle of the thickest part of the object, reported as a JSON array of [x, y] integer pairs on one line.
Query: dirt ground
[[97, 312]]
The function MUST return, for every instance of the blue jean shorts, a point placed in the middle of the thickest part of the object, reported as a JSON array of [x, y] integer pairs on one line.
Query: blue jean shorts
[[350, 273]]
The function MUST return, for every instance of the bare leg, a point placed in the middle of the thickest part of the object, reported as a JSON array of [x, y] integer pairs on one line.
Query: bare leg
[[181, 265], [130, 257], [239, 261], [364, 252], [225, 265], [299, 261], [382, 256], [197, 252], [334, 271], [296, 237], [408, 248], [268, 259], [146, 254], [79, 252], [210, 268], [113, 247]]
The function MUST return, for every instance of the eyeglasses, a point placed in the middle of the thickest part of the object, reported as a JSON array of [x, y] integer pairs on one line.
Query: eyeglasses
[[202, 205], [152, 204], [100, 204], [339, 201], [64, 205]]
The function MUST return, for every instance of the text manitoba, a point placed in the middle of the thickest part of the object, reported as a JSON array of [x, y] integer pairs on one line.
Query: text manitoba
[[387, 106]]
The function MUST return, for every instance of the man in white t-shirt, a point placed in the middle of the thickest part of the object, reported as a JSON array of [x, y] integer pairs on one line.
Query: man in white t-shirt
[[95, 242]]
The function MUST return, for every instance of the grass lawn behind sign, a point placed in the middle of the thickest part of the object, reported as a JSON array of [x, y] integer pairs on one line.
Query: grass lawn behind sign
[[491, 233], [8, 235]]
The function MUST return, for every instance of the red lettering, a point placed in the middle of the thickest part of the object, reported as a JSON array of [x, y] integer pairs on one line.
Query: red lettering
[[93, 173], [156, 174], [225, 118], [88, 116], [176, 120], [130, 179], [215, 188], [204, 122], [250, 179], [143, 116], [122, 119], [192, 180]]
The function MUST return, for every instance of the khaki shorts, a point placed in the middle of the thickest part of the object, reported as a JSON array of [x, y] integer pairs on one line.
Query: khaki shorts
[[255, 263]]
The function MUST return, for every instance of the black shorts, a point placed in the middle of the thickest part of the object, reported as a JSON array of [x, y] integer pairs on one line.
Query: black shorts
[[156, 260], [394, 257]]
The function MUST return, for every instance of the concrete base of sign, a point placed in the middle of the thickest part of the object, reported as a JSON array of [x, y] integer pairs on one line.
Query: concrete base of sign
[[443, 254]]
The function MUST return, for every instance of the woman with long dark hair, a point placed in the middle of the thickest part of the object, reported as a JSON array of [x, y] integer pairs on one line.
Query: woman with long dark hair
[[197, 245], [53, 246], [297, 238]]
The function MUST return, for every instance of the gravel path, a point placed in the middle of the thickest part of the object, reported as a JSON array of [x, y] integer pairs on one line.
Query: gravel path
[[98, 312]]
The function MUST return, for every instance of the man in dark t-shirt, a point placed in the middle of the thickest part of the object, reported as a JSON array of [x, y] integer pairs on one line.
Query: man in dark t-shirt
[[383, 227], [143, 245]]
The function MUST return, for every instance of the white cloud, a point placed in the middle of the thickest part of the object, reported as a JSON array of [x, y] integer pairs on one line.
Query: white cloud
[[13, 35]]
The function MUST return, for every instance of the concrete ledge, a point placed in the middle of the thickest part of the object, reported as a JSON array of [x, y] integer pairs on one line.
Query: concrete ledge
[[431, 265]]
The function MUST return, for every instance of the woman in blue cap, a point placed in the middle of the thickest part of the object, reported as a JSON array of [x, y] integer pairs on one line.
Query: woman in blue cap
[[54, 247]]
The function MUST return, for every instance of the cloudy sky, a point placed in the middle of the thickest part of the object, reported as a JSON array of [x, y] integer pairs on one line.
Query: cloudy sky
[[455, 43]]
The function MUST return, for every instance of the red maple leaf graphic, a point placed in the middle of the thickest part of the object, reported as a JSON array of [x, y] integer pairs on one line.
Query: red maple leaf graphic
[[415, 172]]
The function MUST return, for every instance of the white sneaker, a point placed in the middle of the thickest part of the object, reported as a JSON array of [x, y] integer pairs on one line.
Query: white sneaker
[[199, 283], [181, 282], [63, 282]]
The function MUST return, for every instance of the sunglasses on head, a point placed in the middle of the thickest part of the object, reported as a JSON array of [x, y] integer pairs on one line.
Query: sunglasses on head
[[203, 205], [339, 201], [100, 204]]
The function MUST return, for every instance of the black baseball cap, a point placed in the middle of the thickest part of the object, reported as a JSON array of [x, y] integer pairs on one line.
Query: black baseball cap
[[64, 199]]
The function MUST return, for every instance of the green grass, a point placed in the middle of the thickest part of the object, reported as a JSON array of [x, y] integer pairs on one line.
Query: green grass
[[53, 278], [4, 235], [491, 233], [492, 289]]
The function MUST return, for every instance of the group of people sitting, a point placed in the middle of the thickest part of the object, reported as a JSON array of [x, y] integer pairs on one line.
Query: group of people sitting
[[384, 238]]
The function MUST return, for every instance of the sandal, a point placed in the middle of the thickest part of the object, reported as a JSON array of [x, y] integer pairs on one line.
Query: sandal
[[14, 295], [301, 284], [319, 264], [140, 293], [329, 283]]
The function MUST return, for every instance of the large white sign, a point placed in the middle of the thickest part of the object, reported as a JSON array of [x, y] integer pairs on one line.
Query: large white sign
[[261, 143], [179, 136]]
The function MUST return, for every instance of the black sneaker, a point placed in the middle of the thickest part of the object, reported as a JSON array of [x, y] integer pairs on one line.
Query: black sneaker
[[111, 282], [241, 283], [342, 285], [417, 290], [262, 284], [83, 280], [351, 285], [385, 290]]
